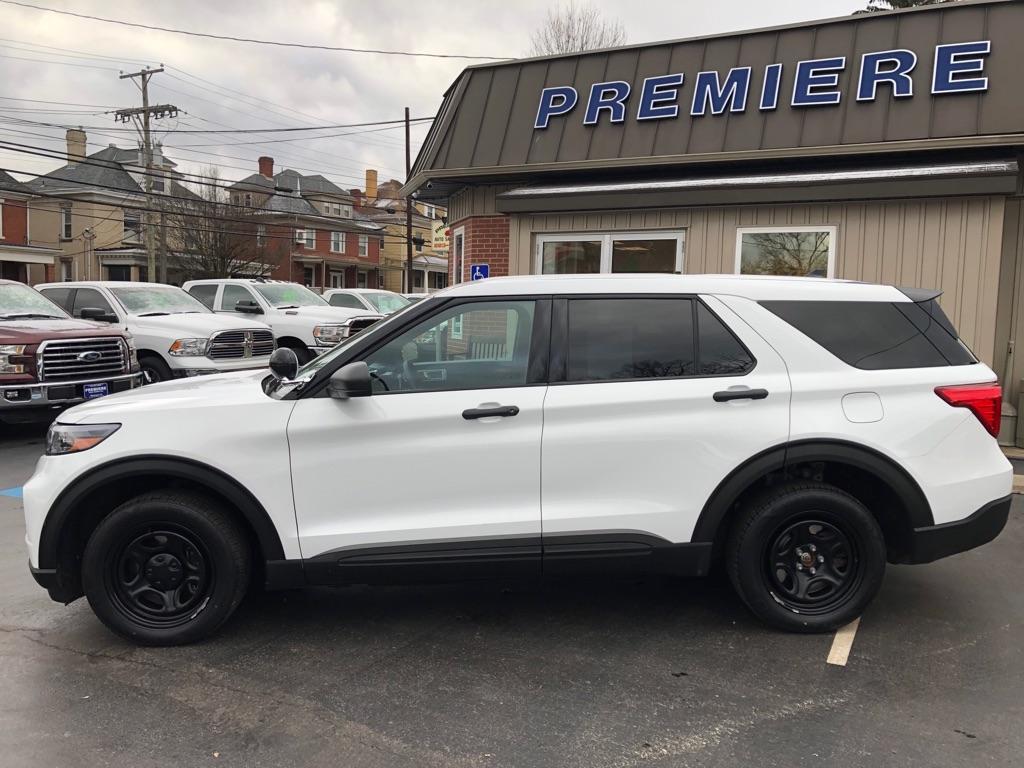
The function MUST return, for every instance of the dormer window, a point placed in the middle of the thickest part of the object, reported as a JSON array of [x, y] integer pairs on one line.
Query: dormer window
[[158, 184]]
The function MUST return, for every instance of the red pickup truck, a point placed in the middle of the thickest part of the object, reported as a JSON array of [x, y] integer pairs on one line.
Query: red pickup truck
[[49, 361]]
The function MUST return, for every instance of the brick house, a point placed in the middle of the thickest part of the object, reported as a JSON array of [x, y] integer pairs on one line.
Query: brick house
[[325, 242], [20, 259]]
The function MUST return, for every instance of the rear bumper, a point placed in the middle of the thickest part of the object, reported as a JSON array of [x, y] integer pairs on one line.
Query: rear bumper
[[936, 541]]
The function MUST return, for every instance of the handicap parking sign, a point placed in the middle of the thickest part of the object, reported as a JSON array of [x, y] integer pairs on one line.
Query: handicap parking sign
[[479, 271]]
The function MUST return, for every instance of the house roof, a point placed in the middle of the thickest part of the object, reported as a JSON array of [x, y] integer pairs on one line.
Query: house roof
[[104, 171], [9, 184]]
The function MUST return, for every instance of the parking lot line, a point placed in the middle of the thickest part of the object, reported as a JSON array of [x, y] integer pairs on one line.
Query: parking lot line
[[12, 492], [842, 643]]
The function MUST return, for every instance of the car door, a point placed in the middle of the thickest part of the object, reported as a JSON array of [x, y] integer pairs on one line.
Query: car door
[[653, 401], [230, 295], [93, 299], [439, 470]]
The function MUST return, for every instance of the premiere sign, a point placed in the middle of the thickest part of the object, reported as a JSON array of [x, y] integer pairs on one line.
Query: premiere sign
[[958, 68]]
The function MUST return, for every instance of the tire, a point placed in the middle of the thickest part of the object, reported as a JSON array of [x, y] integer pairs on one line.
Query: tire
[[786, 533], [154, 369], [166, 568]]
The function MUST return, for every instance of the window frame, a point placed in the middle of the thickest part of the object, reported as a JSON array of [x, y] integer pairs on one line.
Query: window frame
[[67, 229], [305, 238], [560, 339], [364, 246], [1, 218], [458, 251], [341, 239], [606, 238], [219, 299], [830, 228]]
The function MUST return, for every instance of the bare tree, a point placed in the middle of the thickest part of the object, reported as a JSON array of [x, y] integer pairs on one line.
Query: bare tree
[[786, 253], [211, 237], [891, 5], [571, 28]]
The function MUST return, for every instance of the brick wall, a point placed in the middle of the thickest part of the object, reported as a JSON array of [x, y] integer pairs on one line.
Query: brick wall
[[486, 242]]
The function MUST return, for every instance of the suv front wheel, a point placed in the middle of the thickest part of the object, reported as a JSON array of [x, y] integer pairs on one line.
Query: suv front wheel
[[806, 557], [166, 568]]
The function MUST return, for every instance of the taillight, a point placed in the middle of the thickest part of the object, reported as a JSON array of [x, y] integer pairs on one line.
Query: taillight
[[984, 400]]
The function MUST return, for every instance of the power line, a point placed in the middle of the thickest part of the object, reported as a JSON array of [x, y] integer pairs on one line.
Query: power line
[[235, 39], [57, 103], [392, 123]]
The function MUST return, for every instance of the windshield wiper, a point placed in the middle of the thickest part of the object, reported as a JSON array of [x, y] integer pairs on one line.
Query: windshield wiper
[[153, 314], [25, 315]]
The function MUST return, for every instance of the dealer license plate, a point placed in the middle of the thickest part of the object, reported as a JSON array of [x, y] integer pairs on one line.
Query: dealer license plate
[[90, 391]]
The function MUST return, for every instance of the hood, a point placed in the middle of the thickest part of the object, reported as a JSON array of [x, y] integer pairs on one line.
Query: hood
[[201, 391], [330, 314], [191, 325], [35, 330]]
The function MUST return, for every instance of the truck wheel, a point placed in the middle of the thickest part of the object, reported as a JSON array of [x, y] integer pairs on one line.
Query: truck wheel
[[166, 568], [806, 557], [154, 369]]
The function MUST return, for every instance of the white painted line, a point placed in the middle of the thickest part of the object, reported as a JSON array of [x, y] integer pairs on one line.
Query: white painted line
[[842, 643]]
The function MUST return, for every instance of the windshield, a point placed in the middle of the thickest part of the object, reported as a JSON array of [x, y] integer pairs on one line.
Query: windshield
[[144, 300], [282, 295], [386, 303], [19, 301]]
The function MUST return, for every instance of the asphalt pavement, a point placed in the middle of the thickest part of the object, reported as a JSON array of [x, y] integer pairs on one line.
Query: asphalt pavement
[[642, 673]]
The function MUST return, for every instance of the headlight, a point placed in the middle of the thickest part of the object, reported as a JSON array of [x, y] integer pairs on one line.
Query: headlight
[[7, 351], [75, 438], [133, 355], [188, 347], [329, 335]]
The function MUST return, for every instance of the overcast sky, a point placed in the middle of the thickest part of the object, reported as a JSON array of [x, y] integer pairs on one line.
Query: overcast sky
[[47, 57]]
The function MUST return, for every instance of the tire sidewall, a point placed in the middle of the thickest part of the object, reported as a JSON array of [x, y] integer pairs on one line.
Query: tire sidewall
[[830, 506], [134, 517], [158, 369]]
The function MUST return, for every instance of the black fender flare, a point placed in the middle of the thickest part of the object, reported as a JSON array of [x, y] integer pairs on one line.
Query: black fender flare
[[69, 500], [717, 507]]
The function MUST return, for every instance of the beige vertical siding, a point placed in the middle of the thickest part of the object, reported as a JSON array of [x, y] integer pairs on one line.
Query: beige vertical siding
[[953, 243]]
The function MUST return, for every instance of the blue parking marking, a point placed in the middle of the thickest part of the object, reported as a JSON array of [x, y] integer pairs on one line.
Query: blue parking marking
[[14, 493]]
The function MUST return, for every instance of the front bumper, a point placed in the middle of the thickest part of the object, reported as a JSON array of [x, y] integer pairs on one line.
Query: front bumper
[[18, 397], [936, 541]]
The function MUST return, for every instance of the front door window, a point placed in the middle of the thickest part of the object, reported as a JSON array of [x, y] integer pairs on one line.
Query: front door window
[[479, 345]]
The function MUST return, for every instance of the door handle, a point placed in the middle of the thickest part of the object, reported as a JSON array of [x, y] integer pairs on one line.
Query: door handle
[[740, 394], [483, 413]]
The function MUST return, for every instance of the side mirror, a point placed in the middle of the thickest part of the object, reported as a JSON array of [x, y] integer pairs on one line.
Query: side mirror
[[249, 307], [284, 363], [352, 380], [96, 313]]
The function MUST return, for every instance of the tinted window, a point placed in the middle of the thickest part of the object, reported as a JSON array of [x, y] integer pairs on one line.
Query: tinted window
[[92, 299], [345, 300], [234, 294], [613, 339], [719, 352], [873, 335], [479, 345], [58, 296], [205, 293]]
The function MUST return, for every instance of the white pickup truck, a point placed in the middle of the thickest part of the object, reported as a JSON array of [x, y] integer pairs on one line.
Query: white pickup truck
[[176, 336], [300, 319]]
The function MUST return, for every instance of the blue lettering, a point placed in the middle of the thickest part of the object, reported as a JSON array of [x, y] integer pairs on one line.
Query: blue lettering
[[898, 66], [553, 102], [732, 93], [815, 75], [658, 97], [611, 96], [770, 89], [957, 59]]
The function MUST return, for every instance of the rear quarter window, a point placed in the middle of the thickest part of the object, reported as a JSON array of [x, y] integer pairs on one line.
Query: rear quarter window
[[878, 335]]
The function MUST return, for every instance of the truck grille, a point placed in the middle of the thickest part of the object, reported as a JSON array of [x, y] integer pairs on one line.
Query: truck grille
[[358, 324], [82, 359], [237, 345]]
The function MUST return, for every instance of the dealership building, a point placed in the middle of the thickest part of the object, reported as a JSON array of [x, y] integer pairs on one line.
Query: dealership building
[[881, 147]]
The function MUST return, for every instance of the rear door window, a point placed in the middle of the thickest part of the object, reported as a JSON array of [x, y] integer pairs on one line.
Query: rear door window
[[877, 335], [58, 296]]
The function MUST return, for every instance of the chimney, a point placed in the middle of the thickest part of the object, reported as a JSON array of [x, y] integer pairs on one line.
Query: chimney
[[371, 185], [357, 195], [76, 145], [267, 167]]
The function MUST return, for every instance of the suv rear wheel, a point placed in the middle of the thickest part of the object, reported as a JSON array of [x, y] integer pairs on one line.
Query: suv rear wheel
[[166, 568], [806, 557]]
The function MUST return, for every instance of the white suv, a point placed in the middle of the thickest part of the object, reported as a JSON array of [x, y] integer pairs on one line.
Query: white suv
[[804, 431], [372, 299], [301, 320], [175, 335]]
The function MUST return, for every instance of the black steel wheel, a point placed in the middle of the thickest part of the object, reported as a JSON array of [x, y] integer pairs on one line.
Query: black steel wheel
[[806, 557], [154, 369], [166, 568]]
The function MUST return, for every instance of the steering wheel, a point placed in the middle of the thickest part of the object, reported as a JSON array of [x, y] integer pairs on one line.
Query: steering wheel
[[377, 377]]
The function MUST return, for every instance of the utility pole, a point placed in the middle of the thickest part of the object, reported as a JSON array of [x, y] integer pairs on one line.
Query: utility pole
[[141, 118], [408, 210]]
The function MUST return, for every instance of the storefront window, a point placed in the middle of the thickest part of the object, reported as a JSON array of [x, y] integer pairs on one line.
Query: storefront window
[[569, 257], [787, 251], [618, 252]]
